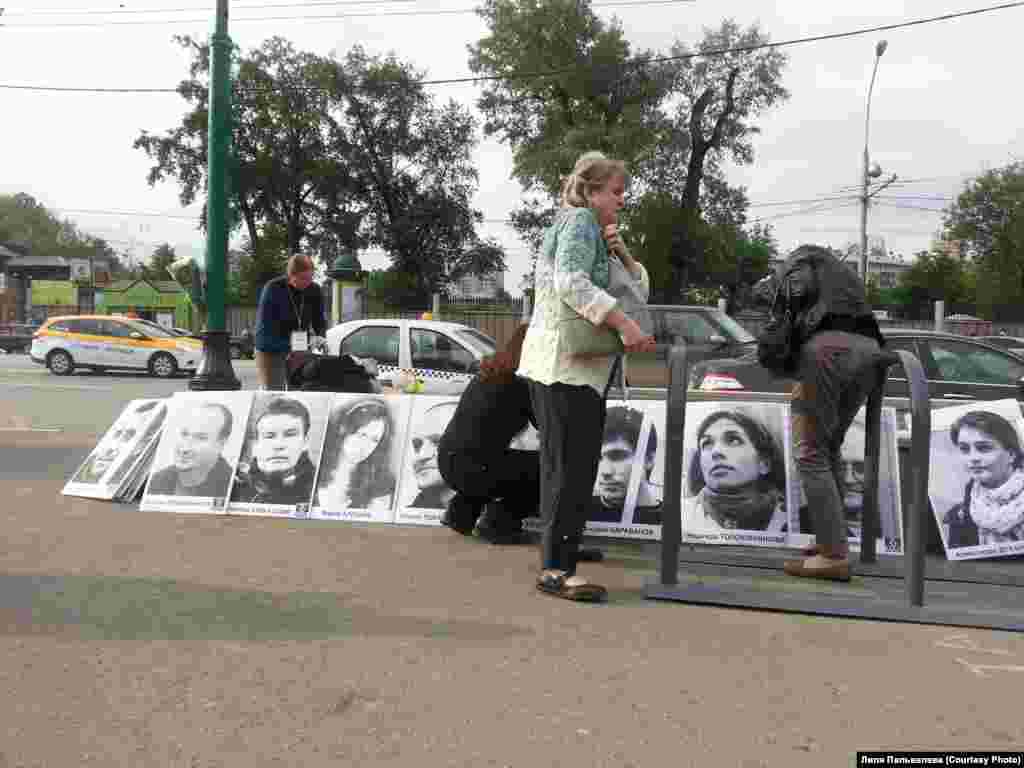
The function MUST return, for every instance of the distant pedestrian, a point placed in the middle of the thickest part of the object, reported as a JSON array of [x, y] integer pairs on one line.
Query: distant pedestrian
[[290, 318]]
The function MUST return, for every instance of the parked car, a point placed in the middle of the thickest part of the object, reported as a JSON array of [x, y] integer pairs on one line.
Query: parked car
[[959, 368], [16, 337], [708, 332], [100, 342], [445, 355], [1013, 343]]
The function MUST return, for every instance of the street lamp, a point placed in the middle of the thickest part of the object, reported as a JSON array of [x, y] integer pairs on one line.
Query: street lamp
[[214, 371], [869, 172]]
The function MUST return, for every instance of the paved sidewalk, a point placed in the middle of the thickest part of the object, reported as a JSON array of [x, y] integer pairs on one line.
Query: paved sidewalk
[[151, 639]]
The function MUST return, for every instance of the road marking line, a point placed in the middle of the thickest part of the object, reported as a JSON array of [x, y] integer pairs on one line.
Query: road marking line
[[982, 670], [964, 643], [53, 386], [31, 429]]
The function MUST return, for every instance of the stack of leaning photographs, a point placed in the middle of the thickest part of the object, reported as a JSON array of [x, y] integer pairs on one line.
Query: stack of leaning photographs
[[117, 468]]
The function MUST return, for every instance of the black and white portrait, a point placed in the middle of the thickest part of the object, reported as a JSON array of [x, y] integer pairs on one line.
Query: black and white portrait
[[361, 458], [120, 449], [198, 450], [276, 472], [424, 493], [976, 478], [734, 473], [850, 477], [626, 491], [125, 470]]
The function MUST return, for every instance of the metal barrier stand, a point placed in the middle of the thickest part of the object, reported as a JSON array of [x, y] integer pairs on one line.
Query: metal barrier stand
[[920, 437], [847, 605]]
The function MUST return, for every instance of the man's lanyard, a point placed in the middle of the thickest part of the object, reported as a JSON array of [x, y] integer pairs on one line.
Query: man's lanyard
[[299, 310]]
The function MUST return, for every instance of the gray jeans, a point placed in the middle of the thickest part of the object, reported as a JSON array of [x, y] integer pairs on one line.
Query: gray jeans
[[838, 370]]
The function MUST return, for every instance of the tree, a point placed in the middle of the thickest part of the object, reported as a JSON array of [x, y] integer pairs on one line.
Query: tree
[[28, 227], [936, 276], [716, 98], [391, 286], [261, 261], [283, 171], [338, 155], [988, 217], [568, 82], [159, 261], [412, 162]]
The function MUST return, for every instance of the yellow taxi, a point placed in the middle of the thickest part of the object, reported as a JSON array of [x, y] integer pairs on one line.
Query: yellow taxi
[[100, 342]]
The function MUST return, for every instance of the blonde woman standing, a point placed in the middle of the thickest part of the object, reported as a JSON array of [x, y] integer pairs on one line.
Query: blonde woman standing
[[567, 391]]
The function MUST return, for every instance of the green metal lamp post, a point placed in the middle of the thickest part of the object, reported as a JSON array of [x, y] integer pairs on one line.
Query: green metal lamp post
[[215, 371], [345, 273]]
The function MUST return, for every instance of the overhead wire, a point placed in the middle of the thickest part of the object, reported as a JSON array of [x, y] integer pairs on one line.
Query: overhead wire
[[908, 207], [189, 9], [554, 72], [305, 17], [158, 214]]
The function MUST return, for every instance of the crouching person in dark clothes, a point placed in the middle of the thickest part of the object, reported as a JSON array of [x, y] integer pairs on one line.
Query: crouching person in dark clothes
[[474, 455], [475, 460]]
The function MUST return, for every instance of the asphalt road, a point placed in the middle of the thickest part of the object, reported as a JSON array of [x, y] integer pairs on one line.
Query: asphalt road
[[86, 403]]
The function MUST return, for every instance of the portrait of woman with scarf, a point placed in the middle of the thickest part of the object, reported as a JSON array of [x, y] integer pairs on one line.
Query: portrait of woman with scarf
[[992, 510], [737, 476]]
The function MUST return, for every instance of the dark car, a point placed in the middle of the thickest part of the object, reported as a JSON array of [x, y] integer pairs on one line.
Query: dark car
[[959, 368], [16, 337], [708, 332], [1014, 344]]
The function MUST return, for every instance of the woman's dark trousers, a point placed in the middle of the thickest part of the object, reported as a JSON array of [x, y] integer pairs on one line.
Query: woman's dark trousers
[[571, 425]]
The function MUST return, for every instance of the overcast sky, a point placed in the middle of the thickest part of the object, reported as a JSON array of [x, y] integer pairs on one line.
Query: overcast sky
[[946, 104]]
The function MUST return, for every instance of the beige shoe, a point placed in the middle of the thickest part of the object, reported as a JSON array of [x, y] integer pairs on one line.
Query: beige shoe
[[818, 567]]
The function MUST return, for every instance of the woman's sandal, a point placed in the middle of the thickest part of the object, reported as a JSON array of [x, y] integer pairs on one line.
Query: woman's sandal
[[560, 584]]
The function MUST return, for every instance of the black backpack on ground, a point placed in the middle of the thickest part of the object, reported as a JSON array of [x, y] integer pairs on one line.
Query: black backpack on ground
[[323, 373]]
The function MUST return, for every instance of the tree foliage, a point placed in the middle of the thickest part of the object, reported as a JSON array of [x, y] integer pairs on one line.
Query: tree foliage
[[936, 276], [988, 217], [29, 227], [337, 154], [161, 258], [261, 261], [568, 82]]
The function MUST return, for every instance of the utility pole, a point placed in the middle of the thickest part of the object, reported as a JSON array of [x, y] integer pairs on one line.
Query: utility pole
[[215, 371], [868, 173]]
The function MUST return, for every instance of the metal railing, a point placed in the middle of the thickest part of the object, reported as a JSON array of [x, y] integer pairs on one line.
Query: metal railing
[[918, 512]]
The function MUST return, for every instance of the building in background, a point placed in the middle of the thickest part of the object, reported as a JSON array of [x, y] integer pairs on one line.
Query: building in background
[[162, 301], [490, 286], [22, 301], [887, 266]]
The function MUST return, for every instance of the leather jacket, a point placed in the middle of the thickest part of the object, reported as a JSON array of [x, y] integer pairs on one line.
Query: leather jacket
[[825, 293]]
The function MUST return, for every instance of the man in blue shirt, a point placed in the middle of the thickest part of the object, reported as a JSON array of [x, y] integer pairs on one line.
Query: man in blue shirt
[[290, 317]]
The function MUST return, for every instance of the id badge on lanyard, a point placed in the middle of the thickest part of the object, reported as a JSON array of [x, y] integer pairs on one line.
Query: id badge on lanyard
[[300, 341], [299, 338]]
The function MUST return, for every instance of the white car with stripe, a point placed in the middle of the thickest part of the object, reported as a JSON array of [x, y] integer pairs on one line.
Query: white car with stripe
[[444, 355]]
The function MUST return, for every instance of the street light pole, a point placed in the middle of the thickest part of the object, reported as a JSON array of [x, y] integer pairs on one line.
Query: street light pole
[[215, 371], [868, 172]]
